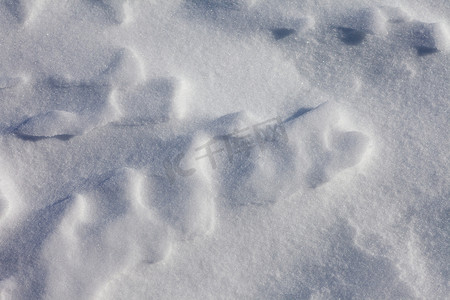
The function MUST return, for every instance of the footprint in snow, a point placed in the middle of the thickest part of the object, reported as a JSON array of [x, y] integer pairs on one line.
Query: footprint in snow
[[325, 144], [342, 150], [104, 231], [92, 103], [425, 38], [352, 29], [248, 160], [429, 38]]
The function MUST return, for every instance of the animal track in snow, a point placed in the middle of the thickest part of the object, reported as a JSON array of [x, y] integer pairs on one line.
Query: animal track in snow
[[288, 26], [281, 33], [426, 38], [105, 230], [353, 28], [429, 38]]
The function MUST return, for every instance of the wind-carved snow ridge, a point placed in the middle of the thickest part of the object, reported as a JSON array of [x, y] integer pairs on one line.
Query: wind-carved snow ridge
[[123, 72], [124, 103], [67, 124], [103, 232]]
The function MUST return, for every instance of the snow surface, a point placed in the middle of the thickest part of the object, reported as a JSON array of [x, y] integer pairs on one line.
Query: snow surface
[[234, 149]]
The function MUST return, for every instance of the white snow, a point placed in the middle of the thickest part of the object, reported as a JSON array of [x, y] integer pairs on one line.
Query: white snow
[[235, 149]]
